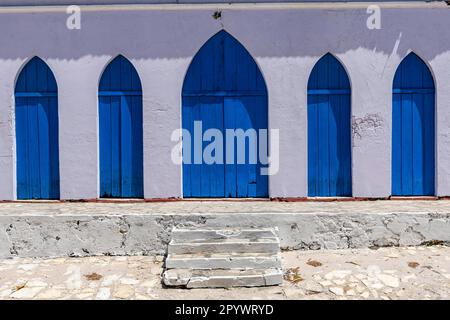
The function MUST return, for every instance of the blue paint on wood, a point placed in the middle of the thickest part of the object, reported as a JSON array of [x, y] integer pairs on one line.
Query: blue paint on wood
[[329, 139], [413, 129], [224, 89], [120, 131], [37, 132], [35, 94]]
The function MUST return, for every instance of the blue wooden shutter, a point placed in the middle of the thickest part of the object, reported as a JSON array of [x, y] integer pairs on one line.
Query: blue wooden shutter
[[413, 129], [120, 131], [329, 139], [36, 116], [224, 89]]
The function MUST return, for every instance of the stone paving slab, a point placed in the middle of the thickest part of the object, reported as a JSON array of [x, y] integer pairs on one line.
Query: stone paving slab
[[385, 273], [218, 207]]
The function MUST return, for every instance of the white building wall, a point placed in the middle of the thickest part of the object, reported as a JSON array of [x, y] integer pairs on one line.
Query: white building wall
[[285, 40]]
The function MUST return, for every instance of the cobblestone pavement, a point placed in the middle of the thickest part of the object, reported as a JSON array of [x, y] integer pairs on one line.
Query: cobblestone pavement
[[198, 206], [385, 273]]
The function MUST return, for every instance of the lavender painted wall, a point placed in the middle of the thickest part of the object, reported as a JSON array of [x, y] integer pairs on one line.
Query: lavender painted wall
[[285, 41], [90, 2]]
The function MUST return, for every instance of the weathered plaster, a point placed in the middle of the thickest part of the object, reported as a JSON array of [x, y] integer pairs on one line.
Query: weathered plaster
[[132, 234], [285, 43]]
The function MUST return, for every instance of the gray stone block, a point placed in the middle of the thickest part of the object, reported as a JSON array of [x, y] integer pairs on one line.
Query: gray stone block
[[185, 234], [223, 261], [222, 278], [266, 245]]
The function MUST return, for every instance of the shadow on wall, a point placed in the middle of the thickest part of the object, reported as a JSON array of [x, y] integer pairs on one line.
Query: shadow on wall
[[173, 34]]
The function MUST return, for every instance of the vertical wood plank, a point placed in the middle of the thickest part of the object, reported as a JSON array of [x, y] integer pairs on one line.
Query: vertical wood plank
[[242, 121], [312, 145], [116, 168], [407, 156], [345, 154], [207, 68], [43, 135], [244, 68], [397, 144], [105, 146], [218, 60], [126, 70], [137, 148], [187, 124], [205, 169], [115, 74], [196, 172], [335, 145], [230, 65], [429, 144], [262, 181], [105, 80], [324, 146], [217, 174], [126, 147], [418, 144], [33, 149], [31, 75], [231, 182], [23, 185], [54, 144]]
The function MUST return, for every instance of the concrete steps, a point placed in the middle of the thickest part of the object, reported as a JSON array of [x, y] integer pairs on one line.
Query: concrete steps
[[199, 258], [222, 278], [229, 233], [265, 245], [223, 261]]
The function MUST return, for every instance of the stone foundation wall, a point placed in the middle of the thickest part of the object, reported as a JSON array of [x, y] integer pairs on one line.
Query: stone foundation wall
[[133, 234]]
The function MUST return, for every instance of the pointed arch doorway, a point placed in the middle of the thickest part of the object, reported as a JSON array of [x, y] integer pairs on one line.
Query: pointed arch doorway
[[37, 143], [120, 131], [329, 138], [413, 129], [224, 90]]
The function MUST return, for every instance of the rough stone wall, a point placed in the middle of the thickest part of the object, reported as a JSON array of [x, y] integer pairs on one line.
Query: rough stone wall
[[83, 235]]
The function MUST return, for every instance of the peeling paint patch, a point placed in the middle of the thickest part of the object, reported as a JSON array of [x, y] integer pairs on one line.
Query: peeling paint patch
[[367, 125]]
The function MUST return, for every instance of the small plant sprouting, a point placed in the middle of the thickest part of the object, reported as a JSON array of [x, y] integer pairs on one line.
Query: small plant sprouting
[[217, 15]]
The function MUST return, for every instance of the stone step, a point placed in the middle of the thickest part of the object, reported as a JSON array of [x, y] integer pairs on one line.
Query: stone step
[[227, 245], [185, 234], [223, 261], [222, 278], [207, 257]]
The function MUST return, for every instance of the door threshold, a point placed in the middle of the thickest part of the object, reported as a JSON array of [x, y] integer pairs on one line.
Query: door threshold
[[414, 198], [227, 199], [120, 200], [326, 199]]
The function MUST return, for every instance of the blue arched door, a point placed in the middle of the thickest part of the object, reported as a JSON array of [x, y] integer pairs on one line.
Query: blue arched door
[[329, 139], [224, 90], [120, 131], [36, 114], [413, 144]]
